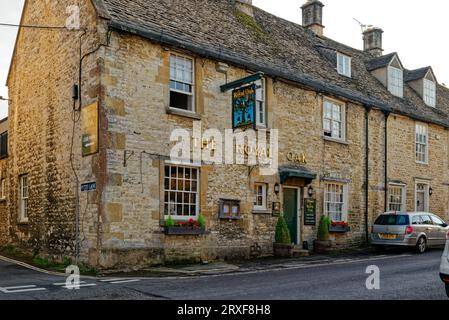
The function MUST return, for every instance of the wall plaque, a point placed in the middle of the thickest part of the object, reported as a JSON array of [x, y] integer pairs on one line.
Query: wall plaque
[[89, 125]]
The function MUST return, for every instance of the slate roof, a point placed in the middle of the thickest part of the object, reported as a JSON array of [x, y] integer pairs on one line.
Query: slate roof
[[412, 75], [380, 62], [277, 47]]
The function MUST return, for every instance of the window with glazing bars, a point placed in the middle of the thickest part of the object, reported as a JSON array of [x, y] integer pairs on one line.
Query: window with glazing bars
[[334, 201], [421, 143], [181, 192], [182, 82], [334, 120]]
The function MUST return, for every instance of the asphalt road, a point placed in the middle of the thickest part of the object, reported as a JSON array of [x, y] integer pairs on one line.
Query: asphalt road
[[403, 276]]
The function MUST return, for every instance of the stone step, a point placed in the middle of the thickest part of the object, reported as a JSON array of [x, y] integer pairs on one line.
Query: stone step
[[299, 252]]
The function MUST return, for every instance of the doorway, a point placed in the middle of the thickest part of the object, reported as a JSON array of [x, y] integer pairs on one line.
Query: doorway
[[292, 212], [422, 197]]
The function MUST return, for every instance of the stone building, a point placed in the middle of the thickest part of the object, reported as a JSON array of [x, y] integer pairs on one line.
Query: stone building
[[92, 112]]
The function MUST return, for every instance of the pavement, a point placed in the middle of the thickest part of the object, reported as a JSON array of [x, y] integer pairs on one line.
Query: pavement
[[403, 276]]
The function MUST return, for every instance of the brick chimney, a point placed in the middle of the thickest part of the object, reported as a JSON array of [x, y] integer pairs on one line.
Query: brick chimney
[[372, 41], [312, 16], [245, 6]]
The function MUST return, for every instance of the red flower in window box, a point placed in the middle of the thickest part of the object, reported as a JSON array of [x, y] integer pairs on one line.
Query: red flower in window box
[[339, 227], [340, 223]]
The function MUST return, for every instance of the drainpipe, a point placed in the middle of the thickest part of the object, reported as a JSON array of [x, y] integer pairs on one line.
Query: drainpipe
[[367, 111], [387, 115]]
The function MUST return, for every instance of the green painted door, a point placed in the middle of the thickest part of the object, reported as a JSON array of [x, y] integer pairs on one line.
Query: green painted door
[[291, 212]]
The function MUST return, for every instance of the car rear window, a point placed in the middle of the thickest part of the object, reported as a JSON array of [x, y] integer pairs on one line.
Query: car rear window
[[393, 220]]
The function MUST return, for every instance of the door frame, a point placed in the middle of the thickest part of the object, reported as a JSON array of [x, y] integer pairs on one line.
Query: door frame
[[299, 213], [426, 195]]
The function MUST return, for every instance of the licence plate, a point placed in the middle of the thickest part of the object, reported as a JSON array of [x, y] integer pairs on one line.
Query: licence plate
[[385, 236]]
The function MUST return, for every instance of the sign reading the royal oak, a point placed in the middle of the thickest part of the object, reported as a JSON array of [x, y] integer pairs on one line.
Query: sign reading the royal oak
[[244, 107], [89, 119], [309, 212]]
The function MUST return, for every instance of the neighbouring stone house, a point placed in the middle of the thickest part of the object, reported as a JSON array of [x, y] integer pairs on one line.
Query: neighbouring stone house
[[359, 134]]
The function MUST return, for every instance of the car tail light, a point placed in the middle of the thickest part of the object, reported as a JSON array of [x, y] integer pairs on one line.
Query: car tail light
[[448, 235], [409, 230]]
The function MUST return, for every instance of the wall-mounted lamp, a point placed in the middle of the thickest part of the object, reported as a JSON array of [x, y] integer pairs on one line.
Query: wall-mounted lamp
[[4, 99], [310, 191], [430, 191], [277, 188]]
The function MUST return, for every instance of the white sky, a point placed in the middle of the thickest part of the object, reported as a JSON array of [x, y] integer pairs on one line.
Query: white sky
[[417, 30]]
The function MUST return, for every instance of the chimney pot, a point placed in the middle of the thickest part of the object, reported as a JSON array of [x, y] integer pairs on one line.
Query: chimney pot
[[312, 16], [245, 6], [372, 41]]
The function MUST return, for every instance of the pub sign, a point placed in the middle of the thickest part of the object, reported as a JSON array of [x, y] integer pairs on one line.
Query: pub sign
[[244, 107]]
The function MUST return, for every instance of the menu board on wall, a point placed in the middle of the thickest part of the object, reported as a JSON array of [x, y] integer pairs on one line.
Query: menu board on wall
[[309, 212]]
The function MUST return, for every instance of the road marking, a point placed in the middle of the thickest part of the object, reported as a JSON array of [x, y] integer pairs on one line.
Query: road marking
[[125, 281], [119, 280], [79, 286], [20, 289], [110, 280], [65, 283]]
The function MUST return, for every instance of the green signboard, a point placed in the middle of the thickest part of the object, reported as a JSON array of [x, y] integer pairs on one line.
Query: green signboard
[[309, 212], [244, 107]]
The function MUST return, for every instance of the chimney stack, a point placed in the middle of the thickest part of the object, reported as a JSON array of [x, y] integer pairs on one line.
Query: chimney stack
[[245, 6], [372, 41], [312, 16]]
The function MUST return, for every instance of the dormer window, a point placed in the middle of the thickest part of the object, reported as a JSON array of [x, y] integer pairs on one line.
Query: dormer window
[[396, 81], [344, 64], [430, 93]]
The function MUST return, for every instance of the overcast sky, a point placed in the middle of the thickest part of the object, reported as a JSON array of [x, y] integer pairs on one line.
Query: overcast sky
[[417, 30]]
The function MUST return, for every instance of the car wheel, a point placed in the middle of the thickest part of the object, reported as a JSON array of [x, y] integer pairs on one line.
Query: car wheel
[[421, 246], [447, 290]]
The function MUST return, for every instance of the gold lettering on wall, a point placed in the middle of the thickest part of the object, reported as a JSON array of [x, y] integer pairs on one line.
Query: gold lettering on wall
[[297, 157]]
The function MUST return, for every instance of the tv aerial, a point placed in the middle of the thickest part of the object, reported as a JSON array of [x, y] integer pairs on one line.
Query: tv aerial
[[364, 27]]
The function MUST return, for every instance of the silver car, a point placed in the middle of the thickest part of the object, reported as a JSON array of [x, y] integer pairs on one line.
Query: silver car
[[415, 229], [444, 268]]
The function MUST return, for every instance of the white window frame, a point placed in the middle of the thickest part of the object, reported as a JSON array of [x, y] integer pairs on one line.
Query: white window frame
[[429, 92], [344, 65], [426, 195], [182, 81], [261, 102], [333, 103], [329, 198], [264, 196], [171, 191], [422, 130], [403, 192], [3, 189], [396, 81], [23, 197]]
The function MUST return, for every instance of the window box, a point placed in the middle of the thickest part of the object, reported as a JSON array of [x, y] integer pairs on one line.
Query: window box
[[183, 231], [339, 227]]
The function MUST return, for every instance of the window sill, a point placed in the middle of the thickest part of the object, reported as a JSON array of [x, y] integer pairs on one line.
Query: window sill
[[329, 139], [23, 222], [422, 163], [183, 113], [262, 212], [230, 218]]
